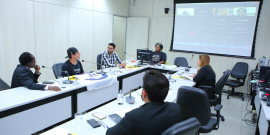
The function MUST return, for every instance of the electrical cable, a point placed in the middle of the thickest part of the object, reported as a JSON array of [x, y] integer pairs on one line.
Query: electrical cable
[[134, 3]]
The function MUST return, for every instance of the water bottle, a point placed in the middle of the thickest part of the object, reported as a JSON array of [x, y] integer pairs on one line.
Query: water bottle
[[132, 59], [120, 98]]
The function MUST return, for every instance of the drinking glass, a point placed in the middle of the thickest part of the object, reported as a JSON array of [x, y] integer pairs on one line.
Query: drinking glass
[[78, 120], [60, 80]]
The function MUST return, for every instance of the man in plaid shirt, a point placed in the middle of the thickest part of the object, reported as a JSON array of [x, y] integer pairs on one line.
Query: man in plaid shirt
[[109, 57]]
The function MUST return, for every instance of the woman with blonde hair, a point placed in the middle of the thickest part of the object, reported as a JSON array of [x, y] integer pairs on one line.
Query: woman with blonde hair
[[205, 74]]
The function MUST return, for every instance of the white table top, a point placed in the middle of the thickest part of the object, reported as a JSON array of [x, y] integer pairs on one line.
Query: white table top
[[20, 96], [264, 107], [111, 107]]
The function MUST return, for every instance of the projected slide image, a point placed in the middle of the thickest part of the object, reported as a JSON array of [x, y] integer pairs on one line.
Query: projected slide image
[[244, 11], [218, 28], [223, 11], [185, 11]]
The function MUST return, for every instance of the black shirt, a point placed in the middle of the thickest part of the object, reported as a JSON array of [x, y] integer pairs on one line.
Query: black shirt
[[72, 69], [207, 77], [157, 57]]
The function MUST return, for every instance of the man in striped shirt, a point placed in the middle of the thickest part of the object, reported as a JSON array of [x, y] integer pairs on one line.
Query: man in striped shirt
[[110, 57]]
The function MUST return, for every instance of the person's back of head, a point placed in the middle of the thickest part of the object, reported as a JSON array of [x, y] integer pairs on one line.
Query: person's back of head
[[156, 85]]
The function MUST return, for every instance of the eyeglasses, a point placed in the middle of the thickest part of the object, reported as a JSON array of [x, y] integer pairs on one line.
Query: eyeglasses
[[110, 48]]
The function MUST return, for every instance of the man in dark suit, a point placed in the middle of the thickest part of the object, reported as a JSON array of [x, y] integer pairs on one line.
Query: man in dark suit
[[23, 76], [155, 116]]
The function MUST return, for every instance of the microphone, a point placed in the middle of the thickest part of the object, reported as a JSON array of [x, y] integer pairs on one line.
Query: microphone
[[65, 81], [187, 69], [169, 77], [100, 72], [127, 54]]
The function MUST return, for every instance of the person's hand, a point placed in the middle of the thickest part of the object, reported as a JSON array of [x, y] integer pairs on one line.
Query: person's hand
[[123, 64], [54, 88], [37, 68], [194, 75]]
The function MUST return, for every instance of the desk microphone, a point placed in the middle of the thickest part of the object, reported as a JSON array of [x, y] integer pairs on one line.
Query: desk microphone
[[128, 54], [65, 81], [169, 78], [130, 99], [187, 69], [100, 72]]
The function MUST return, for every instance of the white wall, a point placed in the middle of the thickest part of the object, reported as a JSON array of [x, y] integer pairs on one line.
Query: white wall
[[119, 35], [47, 28], [161, 26]]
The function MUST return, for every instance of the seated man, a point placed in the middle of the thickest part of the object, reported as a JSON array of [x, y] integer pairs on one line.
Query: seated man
[[73, 66], [155, 116], [109, 57], [158, 56], [23, 76]]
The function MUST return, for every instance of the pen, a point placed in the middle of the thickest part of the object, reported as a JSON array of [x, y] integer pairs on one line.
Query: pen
[[104, 124], [101, 124]]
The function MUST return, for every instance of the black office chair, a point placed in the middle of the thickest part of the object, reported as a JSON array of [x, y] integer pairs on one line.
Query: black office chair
[[239, 72], [216, 99], [181, 61], [99, 61], [3, 85], [57, 69], [187, 127], [194, 102]]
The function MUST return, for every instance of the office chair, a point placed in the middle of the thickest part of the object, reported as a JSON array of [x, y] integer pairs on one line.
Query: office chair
[[57, 69], [181, 61], [239, 72], [3, 85], [99, 61], [187, 127], [194, 102], [216, 99]]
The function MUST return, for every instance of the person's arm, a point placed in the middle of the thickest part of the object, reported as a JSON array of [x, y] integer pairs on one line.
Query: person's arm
[[118, 59], [37, 73], [124, 127], [26, 79], [106, 61], [123, 64], [202, 73], [82, 71], [64, 68], [163, 58]]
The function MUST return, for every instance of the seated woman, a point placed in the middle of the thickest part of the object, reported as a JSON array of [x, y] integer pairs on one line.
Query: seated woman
[[205, 74]]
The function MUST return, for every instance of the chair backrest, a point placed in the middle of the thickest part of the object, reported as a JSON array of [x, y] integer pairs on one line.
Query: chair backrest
[[98, 61], [181, 61], [194, 102], [187, 127], [57, 69], [3, 85], [240, 70], [221, 82]]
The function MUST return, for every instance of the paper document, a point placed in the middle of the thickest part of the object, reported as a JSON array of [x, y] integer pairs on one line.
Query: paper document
[[170, 92], [58, 131], [122, 113], [186, 76]]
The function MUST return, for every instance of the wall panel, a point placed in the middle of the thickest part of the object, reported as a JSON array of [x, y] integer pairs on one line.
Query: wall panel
[[103, 25], [81, 32], [51, 29], [16, 34]]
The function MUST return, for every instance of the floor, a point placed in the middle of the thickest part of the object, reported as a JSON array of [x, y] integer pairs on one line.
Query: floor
[[234, 110]]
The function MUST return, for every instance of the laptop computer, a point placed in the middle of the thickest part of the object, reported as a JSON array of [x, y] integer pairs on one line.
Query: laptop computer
[[263, 70]]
